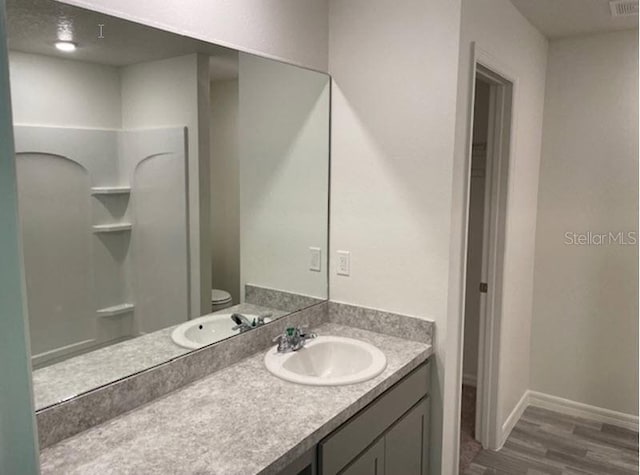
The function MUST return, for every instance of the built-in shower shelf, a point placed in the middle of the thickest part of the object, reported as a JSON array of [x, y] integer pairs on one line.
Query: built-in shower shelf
[[110, 190], [112, 228], [116, 310]]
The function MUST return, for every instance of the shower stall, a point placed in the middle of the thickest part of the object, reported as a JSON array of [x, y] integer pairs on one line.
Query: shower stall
[[111, 206]]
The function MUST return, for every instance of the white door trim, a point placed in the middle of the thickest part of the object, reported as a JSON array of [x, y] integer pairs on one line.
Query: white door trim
[[489, 427]]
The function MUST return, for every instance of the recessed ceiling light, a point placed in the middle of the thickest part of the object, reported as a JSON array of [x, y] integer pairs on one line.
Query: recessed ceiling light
[[66, 46]]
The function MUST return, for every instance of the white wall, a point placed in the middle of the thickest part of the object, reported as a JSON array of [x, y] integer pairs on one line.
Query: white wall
[[283, 122], [498, 28], [169, 93], [225, 188], [394, 67], [290, 30], [154, 164], [56, 166], [586, 296], [67, 93]]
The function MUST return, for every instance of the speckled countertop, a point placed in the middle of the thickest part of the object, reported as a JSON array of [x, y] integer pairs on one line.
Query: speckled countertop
[[239, 421], [61, 381]]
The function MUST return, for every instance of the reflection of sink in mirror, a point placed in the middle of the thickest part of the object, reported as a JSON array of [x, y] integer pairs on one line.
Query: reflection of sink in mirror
[[84, 372], [209, 329], [327, 361]]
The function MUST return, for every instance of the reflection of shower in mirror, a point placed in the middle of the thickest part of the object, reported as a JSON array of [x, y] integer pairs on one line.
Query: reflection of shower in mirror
[[112, 205]]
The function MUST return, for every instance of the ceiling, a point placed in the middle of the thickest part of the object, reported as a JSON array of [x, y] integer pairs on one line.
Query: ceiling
[[35, 25], [562, 18]]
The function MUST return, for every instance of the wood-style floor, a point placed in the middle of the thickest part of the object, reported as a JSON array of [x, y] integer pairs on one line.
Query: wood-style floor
[[546, 442]]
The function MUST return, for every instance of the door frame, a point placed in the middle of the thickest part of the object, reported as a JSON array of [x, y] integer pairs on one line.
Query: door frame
[[500, 144]]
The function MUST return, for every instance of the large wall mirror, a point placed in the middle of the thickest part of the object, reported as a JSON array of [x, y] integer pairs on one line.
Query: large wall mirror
[[172, 193]]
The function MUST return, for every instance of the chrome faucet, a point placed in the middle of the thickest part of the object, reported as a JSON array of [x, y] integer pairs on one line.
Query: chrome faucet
[[293, 339], [244, 324], [261, 319]]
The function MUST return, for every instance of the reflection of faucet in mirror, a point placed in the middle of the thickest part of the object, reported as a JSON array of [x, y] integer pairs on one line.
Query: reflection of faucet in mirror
[[244, 324]]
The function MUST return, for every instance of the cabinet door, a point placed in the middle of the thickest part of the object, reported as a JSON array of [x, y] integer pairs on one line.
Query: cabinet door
[[370, 462], [361, 431], [407, 443], [303, 465]]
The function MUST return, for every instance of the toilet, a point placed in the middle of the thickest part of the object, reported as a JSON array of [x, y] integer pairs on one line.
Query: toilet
[[220, 299]]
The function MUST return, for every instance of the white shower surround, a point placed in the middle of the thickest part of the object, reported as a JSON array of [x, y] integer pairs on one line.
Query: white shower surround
[[73, 289]]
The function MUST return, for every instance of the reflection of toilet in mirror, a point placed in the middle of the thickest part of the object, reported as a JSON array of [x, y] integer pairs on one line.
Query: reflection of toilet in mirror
[[220, 299]]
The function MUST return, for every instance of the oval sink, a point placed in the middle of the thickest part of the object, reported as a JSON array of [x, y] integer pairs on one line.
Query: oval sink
[[205, 330], [328, 361]]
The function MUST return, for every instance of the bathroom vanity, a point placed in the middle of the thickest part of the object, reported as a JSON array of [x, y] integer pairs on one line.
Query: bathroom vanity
[[389, 436], [244, 420]]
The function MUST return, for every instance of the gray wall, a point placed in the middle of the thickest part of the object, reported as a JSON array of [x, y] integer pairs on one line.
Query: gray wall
[[18, 449]]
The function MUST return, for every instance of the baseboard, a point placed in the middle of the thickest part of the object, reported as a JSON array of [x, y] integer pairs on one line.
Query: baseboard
[[514, 417], [574, 408], [470, 380]]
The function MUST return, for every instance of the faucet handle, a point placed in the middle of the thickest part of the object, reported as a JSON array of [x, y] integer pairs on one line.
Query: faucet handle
[[287, 335], [303, 332], [285, 340], [261, 318], [293, 338]]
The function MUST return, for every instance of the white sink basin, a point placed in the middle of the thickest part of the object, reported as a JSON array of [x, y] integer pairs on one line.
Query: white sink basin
[[203, 331], [328, 361]]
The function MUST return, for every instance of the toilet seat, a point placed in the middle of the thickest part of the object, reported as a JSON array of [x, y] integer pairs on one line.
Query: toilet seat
[[220, 297]]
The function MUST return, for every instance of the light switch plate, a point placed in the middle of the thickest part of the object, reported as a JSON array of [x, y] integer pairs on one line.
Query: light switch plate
[[315, 259], [344, 263]]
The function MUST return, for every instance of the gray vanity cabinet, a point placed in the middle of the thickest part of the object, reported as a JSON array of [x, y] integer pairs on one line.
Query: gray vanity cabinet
[[402, 450], [406, 443], [370, 462], [389, 436]]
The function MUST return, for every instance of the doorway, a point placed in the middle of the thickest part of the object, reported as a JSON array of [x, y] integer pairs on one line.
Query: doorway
[[490, 137], [475, 234]]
